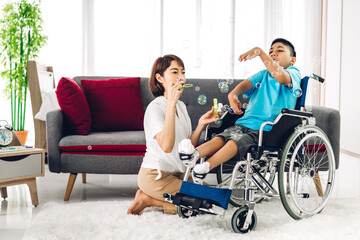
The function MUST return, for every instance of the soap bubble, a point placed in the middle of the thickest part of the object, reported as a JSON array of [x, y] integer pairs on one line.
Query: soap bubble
[[230, 81], [249, 57], [257, 52], [317, 61], [290, 85], [235, 136], [245, 105], [227, 71], [224, 88], [275, 74], [238, 128], [258, 85], [226, 108], [218, 121], [244, 96], [186, 44], [297, 92], [202, 99], [197, 88], [308, 108], [220, 112], [267, 64], [219, 80], [197, 62]]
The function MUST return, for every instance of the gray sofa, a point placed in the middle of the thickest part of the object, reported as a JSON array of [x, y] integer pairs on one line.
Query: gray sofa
[[129, 163]]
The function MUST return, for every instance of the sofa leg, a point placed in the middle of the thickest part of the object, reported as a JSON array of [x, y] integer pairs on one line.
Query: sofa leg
[[70, 186], [83, 177]]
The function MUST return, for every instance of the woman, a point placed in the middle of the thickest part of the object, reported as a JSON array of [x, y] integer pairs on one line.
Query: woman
[[166, 123]]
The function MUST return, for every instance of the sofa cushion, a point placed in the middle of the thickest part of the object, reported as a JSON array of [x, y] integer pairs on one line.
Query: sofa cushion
[[115, 104], [73, 103], [119, 141]]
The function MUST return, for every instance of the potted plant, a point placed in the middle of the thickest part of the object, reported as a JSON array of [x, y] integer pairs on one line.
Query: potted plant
[[20, 41]]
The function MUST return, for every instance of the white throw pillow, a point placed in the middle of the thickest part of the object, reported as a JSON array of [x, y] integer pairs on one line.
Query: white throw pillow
[[49, 103]]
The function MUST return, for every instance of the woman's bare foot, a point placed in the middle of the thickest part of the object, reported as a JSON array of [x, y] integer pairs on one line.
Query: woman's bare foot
[[140, 202]]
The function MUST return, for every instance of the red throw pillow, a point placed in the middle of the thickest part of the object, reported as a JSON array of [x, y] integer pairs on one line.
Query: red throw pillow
[[72, 102], [115, 104]]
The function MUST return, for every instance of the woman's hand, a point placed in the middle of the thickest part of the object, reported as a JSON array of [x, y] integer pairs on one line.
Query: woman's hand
[[174, 91], [250, 54], [208, 117]]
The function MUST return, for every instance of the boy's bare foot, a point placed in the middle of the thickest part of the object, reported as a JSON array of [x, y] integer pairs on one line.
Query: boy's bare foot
[[140, 202]]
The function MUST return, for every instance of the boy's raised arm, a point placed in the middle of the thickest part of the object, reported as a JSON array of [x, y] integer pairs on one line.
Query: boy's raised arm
[[278, 72]]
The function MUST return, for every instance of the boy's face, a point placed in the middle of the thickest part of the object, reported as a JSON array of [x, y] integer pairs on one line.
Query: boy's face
[[281, 53]]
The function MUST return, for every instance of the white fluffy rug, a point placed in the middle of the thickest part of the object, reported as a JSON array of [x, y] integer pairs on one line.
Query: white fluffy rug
[[108, 220]]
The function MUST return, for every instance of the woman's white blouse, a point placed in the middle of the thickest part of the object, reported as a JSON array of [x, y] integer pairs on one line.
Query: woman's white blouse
[[154, 118]]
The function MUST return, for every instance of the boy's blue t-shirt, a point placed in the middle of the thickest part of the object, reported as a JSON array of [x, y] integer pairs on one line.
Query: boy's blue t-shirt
[[268, 97]]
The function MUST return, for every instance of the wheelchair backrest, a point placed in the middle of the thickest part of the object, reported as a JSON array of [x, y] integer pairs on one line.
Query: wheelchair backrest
[[281, 131], [300, 102]]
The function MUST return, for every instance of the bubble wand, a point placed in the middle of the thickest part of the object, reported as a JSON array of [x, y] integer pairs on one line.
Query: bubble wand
[[187, 85], [215, 106]]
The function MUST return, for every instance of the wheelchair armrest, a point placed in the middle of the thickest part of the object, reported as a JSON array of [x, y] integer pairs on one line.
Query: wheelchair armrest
[[296, 112]]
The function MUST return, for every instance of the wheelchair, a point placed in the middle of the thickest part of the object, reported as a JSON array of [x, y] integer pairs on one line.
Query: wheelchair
[[295, 152]]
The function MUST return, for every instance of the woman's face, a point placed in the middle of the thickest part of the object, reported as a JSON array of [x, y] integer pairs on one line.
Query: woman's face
[[174, 73]]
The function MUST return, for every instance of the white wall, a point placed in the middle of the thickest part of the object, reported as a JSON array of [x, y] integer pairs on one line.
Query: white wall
[[342, 83]]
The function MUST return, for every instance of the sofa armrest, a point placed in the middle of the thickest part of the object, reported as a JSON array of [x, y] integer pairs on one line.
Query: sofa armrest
[[55, 131], [328, 120]]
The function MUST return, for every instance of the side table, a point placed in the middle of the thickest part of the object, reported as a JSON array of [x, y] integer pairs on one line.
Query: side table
[[21, 166]]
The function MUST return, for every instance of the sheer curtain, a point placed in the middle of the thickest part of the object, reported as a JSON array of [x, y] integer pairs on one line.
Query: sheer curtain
[[208, 35], [123, 38]]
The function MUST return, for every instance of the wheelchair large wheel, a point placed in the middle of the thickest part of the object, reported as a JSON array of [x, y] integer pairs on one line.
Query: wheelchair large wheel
[[238, 220], [224, 174], [307, 172]]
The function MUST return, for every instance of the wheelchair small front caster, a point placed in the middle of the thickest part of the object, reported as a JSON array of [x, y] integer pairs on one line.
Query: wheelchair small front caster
[[238, 220], [185, 213]]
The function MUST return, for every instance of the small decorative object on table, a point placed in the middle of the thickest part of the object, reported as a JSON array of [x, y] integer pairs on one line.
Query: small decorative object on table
[[19, 164]]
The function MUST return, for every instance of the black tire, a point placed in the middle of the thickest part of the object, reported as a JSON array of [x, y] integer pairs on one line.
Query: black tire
[[238, 220], [185, 213]]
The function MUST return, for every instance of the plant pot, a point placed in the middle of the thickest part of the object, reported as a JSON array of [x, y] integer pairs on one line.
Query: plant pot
[[22, 135]]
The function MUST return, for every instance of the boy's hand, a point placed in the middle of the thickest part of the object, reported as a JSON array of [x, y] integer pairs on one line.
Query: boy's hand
[[208, 117], [250, 54], [236, 105]]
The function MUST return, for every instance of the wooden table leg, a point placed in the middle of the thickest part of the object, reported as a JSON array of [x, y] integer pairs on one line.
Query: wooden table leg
[[83, 177], [33, 191], [3, 192]]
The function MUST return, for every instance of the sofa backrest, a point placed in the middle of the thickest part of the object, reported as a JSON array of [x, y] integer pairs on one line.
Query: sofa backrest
[[207, 87]]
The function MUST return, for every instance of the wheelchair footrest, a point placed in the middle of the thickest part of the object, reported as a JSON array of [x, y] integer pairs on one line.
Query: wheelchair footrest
[[193, 202], [217, 196]]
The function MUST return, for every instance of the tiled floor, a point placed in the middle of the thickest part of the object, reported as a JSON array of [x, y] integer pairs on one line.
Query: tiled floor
[[17, 212]]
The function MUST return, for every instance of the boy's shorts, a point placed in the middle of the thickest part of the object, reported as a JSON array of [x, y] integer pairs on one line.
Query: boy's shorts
[[243, 137]]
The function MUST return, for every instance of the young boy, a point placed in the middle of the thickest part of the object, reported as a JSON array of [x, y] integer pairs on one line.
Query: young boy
[[271, 90]]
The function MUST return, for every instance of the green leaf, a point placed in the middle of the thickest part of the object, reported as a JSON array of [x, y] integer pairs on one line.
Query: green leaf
[[19, 19]]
